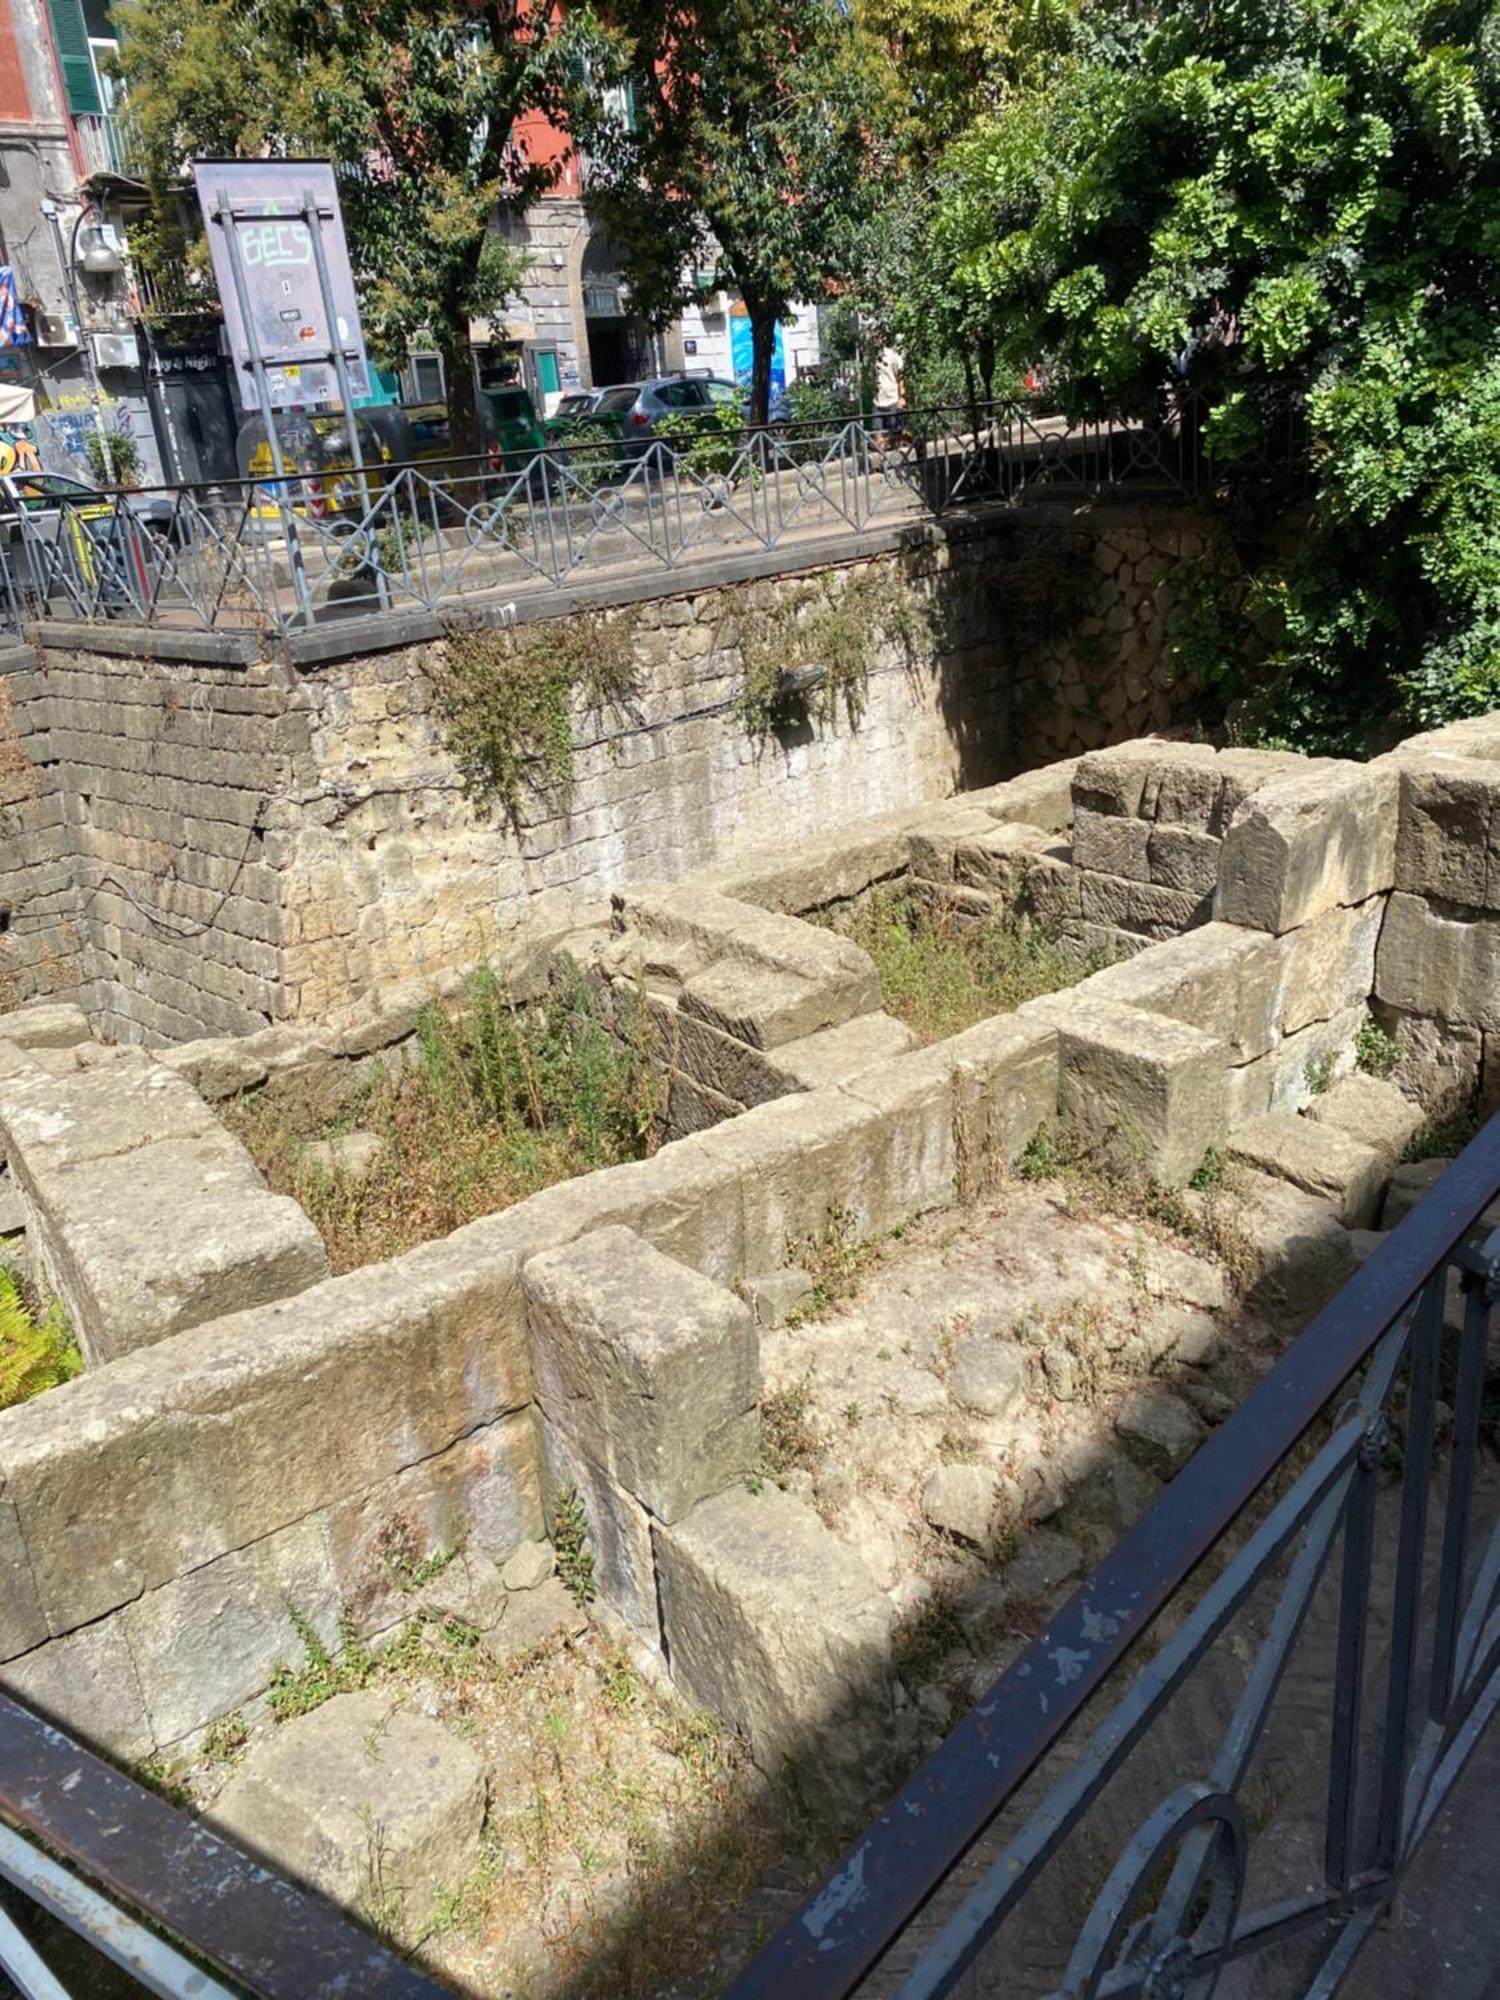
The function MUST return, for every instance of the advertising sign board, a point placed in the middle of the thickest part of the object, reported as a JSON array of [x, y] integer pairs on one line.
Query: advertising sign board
[[266, 221]]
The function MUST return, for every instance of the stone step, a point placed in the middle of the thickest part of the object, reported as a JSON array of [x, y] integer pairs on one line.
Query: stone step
[[1375, 1113], [1321, 1159]]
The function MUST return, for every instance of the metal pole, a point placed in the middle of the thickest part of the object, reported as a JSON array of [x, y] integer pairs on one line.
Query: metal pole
[[70, 283], [224, 216], [312, 215]]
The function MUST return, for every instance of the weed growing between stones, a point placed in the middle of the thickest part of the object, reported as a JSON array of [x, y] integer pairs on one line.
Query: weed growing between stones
[[501, 1101], [323, 1673], [1444, 1137], [37, 1349], [575, 1559], [1320, 1074], [833, 1258], [940, 975], [1375, 1051], [505, 701], [789, 1439]]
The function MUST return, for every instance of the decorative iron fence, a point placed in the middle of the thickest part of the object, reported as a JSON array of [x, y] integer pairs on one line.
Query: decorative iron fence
[[167, 1878], [283, 553], [1351, 1620]]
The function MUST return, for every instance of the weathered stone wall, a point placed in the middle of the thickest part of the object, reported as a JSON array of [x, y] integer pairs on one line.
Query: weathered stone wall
[[40, 907], [216, 843]]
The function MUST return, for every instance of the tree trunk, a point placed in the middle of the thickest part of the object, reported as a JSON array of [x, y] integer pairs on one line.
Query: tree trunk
[[463, 409], [763, 317]]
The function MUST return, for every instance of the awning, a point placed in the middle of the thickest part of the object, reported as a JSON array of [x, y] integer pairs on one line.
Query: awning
[[17, 404]]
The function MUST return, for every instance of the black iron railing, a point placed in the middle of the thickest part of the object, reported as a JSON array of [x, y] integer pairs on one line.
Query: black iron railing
[[281, 553], [1367, 1439], [158, 1894]]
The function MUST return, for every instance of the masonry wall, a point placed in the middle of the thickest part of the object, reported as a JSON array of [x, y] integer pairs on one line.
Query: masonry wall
[[215, 844]]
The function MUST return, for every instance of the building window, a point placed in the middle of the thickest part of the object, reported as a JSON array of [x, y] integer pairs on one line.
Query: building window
[[70, 32], [424, 379]]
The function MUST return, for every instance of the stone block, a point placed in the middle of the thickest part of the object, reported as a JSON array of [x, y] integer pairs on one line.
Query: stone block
[[49, 1122], [1308, 842], [1442, 963], [1300, 1252], [1000, 861], [1159, 1430], [988, 1376], [1043, 797], [1313, 1059], [1438, 1063], [1111, 844], [1219, 978], [619, 1532], [1050, 892], [1114, 781], [1410, 1184], [1375, 1113], [178, 1453], [364, 1800], [1141, 1091], [85, 1683], [773, 1625], [1329, 964], [1322, 1160], [1179, 858], [760, 1004], [1140, 906], [933, 845], [1183, 790], [959, 1500], [689, 1106], [837, 1055], [217, 1068], [649, 1370], [1448, 830], [166, 1237], [207, 1641], [52, 1024], [720, 927], [22, 1621]]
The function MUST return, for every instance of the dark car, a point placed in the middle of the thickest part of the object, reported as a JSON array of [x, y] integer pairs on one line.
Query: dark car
[[63, 537]]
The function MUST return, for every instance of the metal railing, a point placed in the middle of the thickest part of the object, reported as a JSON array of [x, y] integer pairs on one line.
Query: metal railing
[[1365, 1440], [284, 554], [156, 1893]]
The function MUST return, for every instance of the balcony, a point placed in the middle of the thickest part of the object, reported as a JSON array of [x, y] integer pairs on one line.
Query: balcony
[[109, 144]]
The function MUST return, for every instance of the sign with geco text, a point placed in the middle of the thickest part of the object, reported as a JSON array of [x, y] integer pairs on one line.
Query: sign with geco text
[[260, 233]]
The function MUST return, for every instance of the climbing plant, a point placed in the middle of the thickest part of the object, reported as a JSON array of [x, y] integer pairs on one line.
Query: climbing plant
[[506, 701], [840, 635]]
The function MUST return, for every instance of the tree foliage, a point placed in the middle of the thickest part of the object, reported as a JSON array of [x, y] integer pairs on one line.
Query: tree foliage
[[1291, 206], [732, 138], [419, 103]]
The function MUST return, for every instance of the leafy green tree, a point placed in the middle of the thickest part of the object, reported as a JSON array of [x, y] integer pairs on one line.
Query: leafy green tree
[[738, 138], [419, 103], [1290, 208]]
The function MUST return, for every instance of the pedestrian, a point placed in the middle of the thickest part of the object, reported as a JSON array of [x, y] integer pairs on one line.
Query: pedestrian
[[890, 389]]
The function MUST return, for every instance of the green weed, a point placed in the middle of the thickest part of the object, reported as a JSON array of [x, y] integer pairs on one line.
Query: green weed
[[1375, 1051], [789, 1439], [323, 1674], [940, 975], [37, 1349], [570, 1539]]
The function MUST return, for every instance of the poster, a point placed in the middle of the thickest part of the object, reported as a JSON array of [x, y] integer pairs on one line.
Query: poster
[[741, 352], [261, 204]]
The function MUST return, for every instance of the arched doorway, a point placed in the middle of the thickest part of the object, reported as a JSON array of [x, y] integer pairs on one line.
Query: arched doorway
[[620, 343]]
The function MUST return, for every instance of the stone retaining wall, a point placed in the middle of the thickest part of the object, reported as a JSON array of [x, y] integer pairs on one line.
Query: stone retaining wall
[[210, 841], [161, 1513]]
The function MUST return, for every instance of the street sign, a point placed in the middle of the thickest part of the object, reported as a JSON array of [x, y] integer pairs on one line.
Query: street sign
[[286, 320]]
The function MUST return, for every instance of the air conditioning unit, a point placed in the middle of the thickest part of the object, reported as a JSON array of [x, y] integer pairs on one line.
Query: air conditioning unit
[[115, 350], [55, 329]]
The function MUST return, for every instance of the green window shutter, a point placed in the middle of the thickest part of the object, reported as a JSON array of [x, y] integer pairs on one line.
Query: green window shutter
[[72, 37]]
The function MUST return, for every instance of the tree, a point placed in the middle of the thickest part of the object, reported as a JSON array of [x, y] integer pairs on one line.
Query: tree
[[732, 137], [418, 101], [1289, 207]]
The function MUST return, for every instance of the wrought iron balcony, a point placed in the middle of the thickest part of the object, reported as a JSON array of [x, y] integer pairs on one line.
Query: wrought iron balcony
[[1329, 1567]]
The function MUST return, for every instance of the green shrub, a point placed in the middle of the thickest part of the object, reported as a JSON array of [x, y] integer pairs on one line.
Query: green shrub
[[1375, 1051]]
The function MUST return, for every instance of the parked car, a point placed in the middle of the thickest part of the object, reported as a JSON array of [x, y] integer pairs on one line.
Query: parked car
[[634, 409], [519, 435], [571, 410], [58, 532]]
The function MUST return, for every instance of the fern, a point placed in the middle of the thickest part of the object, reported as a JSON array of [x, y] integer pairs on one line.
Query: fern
[[35, 1353]]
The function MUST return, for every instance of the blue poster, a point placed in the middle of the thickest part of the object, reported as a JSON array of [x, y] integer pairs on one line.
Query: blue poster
[[741, 352]]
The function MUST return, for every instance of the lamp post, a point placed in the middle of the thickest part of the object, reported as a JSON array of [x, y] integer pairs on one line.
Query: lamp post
[[100, 252]]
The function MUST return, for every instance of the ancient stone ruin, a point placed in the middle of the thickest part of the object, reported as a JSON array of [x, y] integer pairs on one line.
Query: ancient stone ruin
[[1285, 975]]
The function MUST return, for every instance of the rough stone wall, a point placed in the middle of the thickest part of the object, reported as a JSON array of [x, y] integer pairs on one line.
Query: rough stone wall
[[1087, 605], [214, 846], [40, 932]]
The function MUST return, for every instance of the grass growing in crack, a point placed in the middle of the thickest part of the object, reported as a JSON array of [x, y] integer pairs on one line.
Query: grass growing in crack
[[789, 1440], [1444, 1137], [323, 1673], [1375, 1051], [501, 1101], [834, 1257], [941, 975]]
